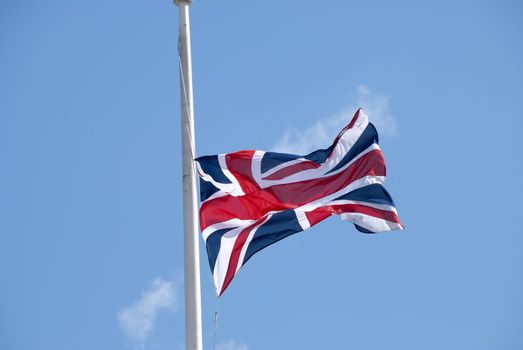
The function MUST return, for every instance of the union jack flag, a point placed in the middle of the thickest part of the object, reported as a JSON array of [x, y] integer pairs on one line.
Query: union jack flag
[[252, 199]]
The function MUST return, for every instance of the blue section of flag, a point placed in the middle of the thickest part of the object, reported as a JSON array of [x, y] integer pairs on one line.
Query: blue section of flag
[[207, 189], [367, 138], [213, 244], [375, 193], [279, 226], [363, 229], [211, 166], [321, 155], [273, 159]]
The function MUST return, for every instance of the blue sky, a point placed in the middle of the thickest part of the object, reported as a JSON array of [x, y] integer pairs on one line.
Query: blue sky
[[90, 189]]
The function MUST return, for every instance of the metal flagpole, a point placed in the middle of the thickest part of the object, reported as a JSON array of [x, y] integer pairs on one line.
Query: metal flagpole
[[193, 318]]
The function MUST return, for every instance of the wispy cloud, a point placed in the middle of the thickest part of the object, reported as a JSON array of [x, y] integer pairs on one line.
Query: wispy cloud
[[137, 320], [376, 106], [321, 134], [232, 345]]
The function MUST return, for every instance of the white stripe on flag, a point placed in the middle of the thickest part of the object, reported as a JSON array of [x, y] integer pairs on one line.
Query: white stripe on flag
[[302, 219], [224, 255], [224, 224], [367, 204], [248, 241], [371, 223], [364, 181], [237, 191]]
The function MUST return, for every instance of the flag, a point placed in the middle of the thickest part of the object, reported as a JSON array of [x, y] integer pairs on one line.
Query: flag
[[252, 199]]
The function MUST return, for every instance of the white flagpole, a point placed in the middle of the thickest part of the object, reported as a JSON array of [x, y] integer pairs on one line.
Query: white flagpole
[[193, 318]]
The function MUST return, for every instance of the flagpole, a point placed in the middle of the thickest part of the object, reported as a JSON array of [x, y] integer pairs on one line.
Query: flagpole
[[193, 318]]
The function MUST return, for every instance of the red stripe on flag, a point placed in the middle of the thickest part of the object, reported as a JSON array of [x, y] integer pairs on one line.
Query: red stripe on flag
[[317, 215], [349, 126], [235, 255], [293, 169], [240, 166], [321, 213], [300, 193], [363, 209]]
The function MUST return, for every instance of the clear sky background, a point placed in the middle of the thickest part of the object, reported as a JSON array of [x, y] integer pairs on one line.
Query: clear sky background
[[90, 177]]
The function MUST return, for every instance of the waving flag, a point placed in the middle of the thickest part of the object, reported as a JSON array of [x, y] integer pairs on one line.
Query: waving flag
[[252, 199]]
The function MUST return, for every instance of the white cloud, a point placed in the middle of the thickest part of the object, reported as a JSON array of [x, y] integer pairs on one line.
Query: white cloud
[[376, 106], [323, 132], [137, 320], [232, 345]]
